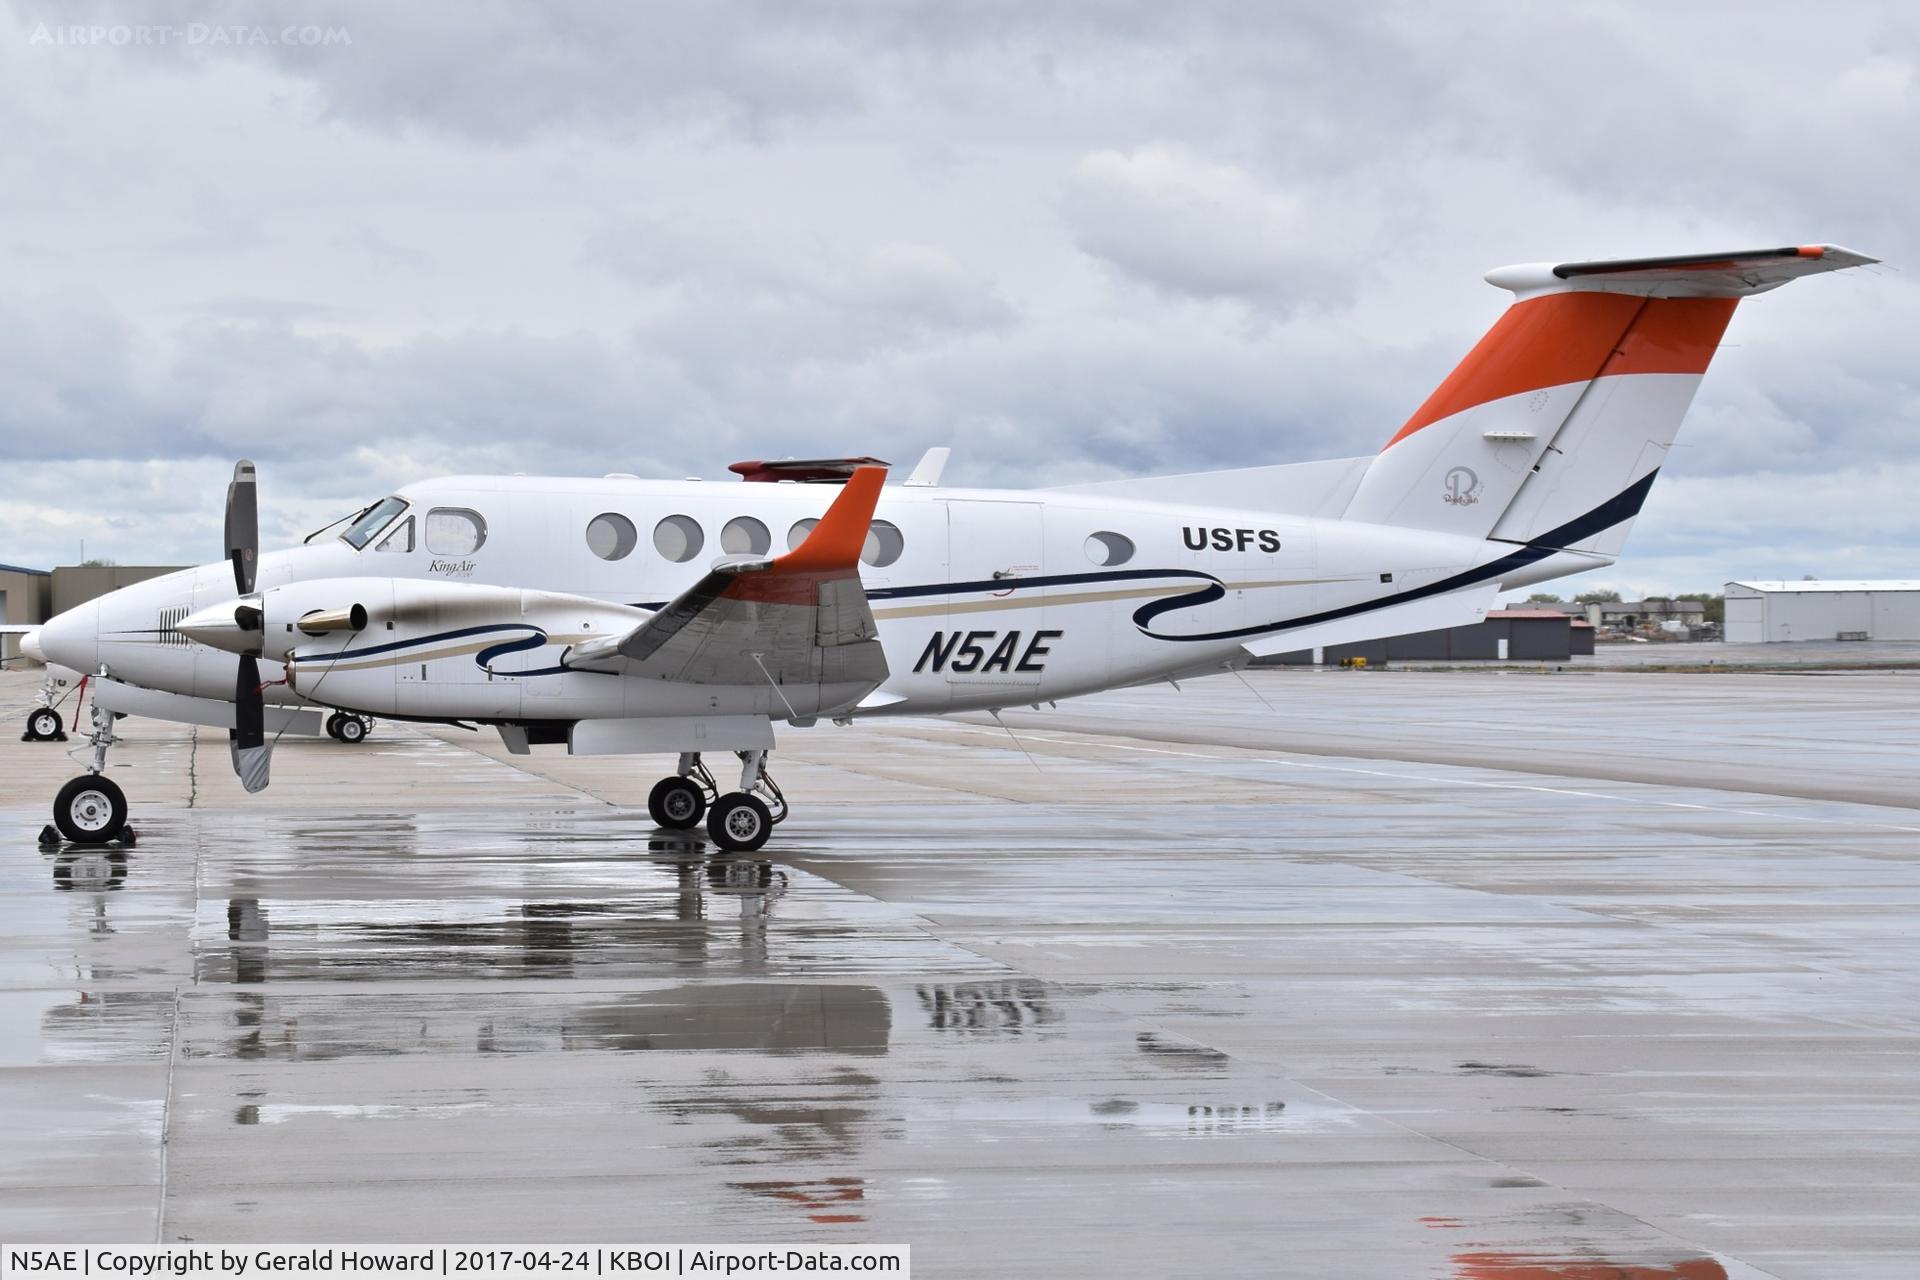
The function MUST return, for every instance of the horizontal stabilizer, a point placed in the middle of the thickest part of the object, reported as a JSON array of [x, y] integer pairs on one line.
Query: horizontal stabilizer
[[1733, 274]]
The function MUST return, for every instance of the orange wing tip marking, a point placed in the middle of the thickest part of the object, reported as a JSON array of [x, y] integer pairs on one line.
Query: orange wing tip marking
[[1812, 251], [836, 542]]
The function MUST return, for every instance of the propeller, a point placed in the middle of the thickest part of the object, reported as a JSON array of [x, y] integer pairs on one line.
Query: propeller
[[243, 526], [252, 755]]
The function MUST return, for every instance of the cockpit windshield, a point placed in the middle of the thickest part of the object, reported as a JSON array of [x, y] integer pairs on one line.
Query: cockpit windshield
[[372, 521]]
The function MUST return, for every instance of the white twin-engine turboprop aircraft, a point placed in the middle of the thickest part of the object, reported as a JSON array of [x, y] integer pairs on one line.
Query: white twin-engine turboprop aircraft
[[594, 614]]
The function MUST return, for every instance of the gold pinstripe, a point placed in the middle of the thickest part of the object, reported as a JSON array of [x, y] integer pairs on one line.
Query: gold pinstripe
[[1087, 597]]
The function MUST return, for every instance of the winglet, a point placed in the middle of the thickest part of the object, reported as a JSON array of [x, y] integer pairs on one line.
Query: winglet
[[836, 541]]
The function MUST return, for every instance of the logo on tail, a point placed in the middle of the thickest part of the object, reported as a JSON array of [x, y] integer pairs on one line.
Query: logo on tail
[[1463, 487]]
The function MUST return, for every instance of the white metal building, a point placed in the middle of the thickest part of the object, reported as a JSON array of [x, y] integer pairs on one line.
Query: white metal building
[[1837, 610]]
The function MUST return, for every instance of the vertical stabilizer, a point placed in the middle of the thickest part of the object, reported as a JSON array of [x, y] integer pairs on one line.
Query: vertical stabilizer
[[1552, 428]]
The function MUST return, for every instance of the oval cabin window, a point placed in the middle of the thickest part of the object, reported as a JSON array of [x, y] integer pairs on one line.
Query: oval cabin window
[[745, 536], [611, 536], [884, 544], [798, 534], [455, 531], [678, 538], [1106, 548]]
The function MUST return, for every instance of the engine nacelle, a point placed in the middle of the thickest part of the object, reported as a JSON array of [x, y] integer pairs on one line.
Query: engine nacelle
[[443, 649]]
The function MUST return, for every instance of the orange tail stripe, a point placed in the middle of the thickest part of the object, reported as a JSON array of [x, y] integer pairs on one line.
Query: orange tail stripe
[[1573, 337]]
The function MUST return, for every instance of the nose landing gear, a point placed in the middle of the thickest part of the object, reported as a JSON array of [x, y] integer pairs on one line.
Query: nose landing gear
[[739, 821], [44, 725], [91, 809]]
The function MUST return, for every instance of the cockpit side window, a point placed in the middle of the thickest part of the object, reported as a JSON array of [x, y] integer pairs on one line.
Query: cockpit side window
[[399, 538], [376, 518]]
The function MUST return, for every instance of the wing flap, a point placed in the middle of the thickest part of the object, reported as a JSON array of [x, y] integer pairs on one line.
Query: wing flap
[[801, 619]]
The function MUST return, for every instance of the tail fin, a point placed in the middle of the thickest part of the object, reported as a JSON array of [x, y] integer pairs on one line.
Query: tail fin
[[1551, 430]]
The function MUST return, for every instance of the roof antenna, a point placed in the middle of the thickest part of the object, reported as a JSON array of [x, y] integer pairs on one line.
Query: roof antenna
[[995, 713]]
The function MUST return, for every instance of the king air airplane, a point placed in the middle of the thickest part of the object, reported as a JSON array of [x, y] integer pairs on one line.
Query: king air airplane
[[627, 616]]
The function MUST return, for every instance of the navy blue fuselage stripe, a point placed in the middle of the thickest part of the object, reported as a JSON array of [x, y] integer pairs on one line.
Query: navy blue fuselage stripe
[[486, 656], [347, 655], [1622, 506], [1048, 580], [1002, 585]]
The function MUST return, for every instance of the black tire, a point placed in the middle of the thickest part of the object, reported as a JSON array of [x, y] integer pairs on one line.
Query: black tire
[[333, 726], [740, 823], [90, 810], [353, 730], [44, 724], [676, 804]]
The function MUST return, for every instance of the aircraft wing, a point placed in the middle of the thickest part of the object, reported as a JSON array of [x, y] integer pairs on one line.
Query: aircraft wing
[[800, 619]]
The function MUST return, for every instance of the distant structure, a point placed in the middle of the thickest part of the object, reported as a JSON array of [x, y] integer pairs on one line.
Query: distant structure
[[1530, 634], [1859, 609], [25, 595], [29, 597]]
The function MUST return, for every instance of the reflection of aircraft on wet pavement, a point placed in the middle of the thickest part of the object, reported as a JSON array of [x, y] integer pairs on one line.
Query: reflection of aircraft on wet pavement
[[589, 614]]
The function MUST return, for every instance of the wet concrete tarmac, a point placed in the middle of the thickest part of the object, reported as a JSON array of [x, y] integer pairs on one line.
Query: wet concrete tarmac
[[1203, 985]]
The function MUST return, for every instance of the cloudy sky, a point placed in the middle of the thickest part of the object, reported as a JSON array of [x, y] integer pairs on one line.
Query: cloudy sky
[[364, 243]]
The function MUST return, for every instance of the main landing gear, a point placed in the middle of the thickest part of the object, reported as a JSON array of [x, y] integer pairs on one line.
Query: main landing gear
[[92, 809], [344, 726], [739, 821]]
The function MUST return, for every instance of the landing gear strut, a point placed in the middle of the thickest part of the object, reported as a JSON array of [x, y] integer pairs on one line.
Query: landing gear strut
[[739, 821], [92, 809]]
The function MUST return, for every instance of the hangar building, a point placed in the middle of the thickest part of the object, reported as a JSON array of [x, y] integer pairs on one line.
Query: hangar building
[[28, 597], [1818, 610]]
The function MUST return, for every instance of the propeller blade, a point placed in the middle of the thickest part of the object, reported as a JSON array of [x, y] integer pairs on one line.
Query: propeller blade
[[252, 754], [243, 526]]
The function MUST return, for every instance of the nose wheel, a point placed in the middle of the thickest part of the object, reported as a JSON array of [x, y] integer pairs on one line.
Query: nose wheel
[[91, 809], [44, 725]]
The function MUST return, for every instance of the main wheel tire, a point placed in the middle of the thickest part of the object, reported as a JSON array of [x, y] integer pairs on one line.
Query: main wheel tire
[[740, 823], [44, 724], [676, 803], [333, 726], [353, 730], [90, 810]]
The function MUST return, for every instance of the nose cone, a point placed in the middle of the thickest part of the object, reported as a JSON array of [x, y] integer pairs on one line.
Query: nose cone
[[233, 625], [72, 639], [30, 646]]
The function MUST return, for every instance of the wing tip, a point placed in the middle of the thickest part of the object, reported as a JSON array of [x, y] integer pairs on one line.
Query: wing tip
[[836, 542]]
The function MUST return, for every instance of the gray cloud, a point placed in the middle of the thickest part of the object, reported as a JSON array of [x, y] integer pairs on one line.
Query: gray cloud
[[1072, 241]]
